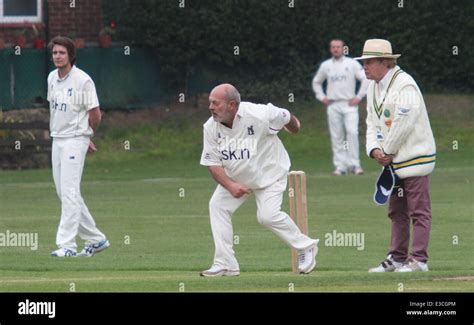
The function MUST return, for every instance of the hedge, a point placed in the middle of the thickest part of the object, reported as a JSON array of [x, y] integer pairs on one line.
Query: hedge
[[281, 45]]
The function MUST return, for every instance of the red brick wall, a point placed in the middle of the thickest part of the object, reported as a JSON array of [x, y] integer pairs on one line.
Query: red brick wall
[[85, 20]]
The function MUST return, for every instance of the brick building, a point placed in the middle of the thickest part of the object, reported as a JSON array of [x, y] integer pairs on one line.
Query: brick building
[[44, 19]]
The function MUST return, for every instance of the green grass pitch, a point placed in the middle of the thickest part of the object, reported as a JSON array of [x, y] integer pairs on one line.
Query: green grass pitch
[[153, 208]]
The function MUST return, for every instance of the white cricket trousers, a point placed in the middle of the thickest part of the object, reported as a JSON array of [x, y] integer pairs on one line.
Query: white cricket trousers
[[343, 121], [222, 205], [68, 157]]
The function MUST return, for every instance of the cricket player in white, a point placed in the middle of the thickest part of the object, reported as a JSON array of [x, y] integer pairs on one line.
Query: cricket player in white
[[341, 73], [244, 155], [75, 115]]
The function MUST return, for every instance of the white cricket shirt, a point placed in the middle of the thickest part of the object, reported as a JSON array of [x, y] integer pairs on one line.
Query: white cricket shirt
[[70, 100], [251, 152], [341, 76]]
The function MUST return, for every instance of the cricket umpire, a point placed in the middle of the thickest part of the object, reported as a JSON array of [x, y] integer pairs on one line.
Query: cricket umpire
[[244, 155], [399, 134], [74, 116]]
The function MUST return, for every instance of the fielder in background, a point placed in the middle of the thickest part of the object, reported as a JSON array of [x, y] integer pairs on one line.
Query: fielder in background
[[75, 115], [244, 155], [341, 73], [399, 133]]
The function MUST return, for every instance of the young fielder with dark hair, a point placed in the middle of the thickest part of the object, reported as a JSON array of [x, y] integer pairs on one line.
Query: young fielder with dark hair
[[75, 115]]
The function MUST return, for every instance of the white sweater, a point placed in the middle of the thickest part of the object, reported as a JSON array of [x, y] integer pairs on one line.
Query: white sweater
[[398, 124]]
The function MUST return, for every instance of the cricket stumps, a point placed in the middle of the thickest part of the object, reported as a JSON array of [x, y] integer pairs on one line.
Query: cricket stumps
[[298, 208]]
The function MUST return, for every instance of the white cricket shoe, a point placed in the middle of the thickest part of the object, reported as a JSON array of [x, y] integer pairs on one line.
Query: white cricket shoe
[[387, 265], [217, 270], [338, 172], [357, 171], [90, 249], [413, 266], [63, 252], [307, 258]]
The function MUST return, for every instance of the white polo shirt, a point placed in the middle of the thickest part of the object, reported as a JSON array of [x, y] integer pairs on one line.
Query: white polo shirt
[[70, 100], [251, 152], [341, 76]]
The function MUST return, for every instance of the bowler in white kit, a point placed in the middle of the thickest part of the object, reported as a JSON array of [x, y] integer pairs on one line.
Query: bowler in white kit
[[244, 155], [75, 115]]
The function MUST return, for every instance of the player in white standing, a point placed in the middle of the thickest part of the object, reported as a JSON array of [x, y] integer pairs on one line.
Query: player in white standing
[[341, 72], [75, 115], [244, 155]]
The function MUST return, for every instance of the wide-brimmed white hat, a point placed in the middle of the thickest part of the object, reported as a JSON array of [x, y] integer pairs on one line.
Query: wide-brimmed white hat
[[377, 48]]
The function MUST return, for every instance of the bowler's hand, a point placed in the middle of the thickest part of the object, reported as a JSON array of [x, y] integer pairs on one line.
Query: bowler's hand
[[238, 190], [293, 126], [354, 101], [92, 147], [381, 158]]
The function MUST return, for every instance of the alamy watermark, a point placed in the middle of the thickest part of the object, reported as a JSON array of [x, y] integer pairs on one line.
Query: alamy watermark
[[18, 239], [341, 239], [238, 149], [71, 96], [28, 307]]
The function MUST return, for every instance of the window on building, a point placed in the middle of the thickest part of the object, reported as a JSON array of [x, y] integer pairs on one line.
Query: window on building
[[20, 11]]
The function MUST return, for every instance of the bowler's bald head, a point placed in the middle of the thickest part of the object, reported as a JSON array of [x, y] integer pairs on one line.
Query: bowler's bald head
[[226, 92]]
